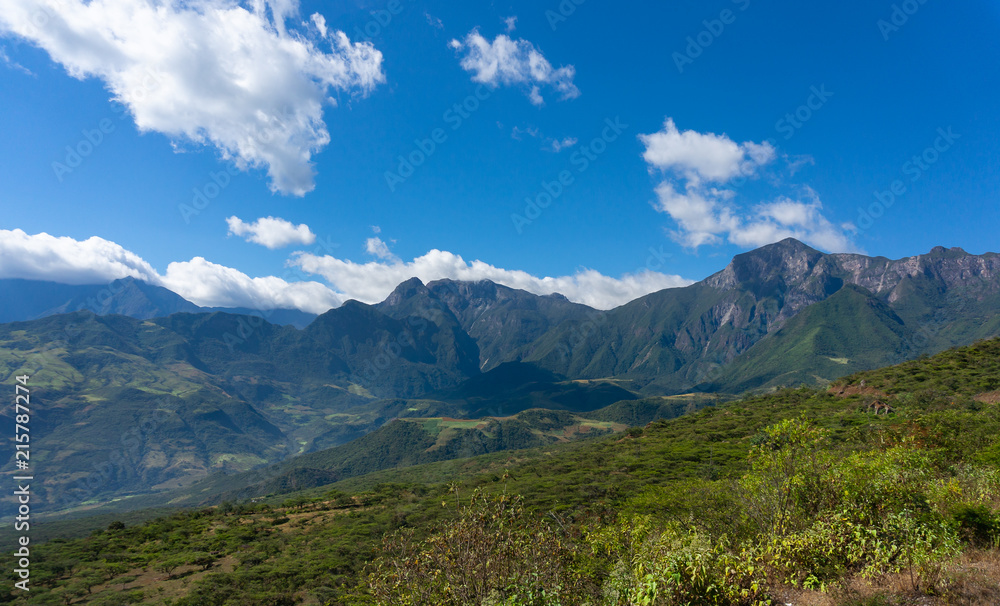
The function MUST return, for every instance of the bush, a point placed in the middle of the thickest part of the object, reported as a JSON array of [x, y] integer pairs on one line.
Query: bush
[[494, 553], [978, 525]]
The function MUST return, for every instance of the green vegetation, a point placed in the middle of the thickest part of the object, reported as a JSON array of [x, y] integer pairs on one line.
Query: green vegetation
[[804, 350], [800, 496], [140, 411], [965, 371]]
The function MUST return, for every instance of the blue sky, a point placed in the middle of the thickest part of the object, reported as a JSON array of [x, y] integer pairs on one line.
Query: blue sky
[[704, 163]]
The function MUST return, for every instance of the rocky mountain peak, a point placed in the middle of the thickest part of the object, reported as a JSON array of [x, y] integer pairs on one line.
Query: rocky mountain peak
[[787, 262], [406, 290]]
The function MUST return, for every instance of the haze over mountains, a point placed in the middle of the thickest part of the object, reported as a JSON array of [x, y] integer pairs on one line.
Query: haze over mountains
[[33, 299], [157, 403]]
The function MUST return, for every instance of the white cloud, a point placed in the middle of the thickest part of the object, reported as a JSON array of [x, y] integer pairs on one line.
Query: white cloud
[[376, 247], [14, 65], [699, 156], [212, 285], [557, 146], [709, 214], [212, 72], [271, 232], [514, 62], [788, 218], [550, 144], [510, 23], [702, 214], [68, 261], [373, 282], [434, 21], [518, 133], [96, 261], [319, 21]]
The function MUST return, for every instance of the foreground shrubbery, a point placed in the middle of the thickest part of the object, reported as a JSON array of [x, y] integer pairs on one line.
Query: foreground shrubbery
[[803, 516]]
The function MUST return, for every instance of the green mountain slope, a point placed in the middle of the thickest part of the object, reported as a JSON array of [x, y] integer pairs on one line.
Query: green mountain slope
[[681, 484], [400, 443], [849, 331], [192, 394], [676, 339], [235, 392]]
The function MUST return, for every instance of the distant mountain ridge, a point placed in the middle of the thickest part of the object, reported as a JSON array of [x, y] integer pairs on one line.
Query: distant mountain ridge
[[680, 338], [233, 392], [33, 299]]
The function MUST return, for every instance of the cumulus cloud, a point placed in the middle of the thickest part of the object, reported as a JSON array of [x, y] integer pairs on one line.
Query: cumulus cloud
[[96, 261], [703, 156], [505, 61], [212, 285], [271, 232], [373, 282], [376, 247], [68, 261], [699, 167], [212, 72]]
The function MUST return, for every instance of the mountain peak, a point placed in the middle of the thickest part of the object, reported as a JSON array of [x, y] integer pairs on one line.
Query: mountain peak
[[406, 290], [954, 251], [790, 245], [786, 261]]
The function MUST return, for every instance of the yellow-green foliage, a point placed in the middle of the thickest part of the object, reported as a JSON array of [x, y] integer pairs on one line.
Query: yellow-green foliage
[[492, 554]]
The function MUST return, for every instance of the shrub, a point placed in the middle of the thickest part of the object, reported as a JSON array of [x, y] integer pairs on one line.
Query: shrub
[[494, 553]]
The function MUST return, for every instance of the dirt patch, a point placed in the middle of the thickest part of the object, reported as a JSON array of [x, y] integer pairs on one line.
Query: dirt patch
[[990, 397], [973, 579]]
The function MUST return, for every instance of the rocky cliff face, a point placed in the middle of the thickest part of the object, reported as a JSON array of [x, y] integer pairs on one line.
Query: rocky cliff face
[[797, 276], [683, 333]]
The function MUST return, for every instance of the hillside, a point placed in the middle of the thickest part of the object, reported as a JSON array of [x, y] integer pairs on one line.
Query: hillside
[[696, 487], [227, 393], [808, 349], [400, 443]]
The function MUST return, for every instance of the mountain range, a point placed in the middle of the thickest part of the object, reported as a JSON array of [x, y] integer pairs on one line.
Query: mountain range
[[150, 395], [33, 299]]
